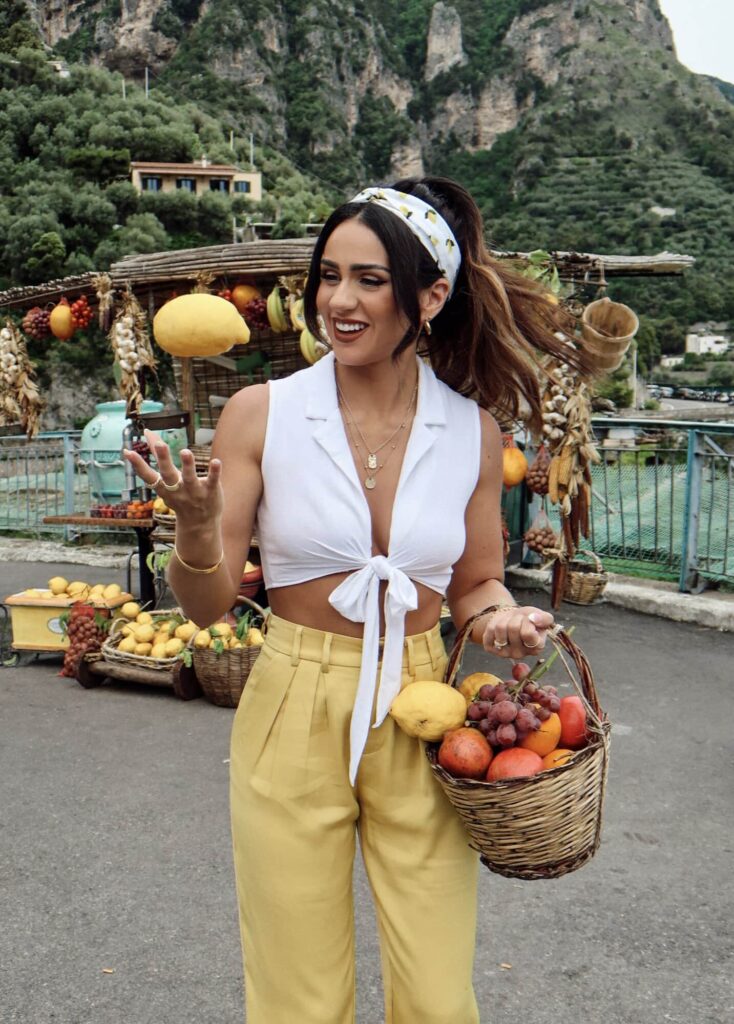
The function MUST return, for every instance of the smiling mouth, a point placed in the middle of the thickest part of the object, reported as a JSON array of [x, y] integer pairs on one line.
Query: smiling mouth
[[349, 328]]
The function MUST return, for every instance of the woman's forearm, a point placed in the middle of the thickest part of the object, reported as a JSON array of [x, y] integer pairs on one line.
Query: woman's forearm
[[203, 597], [490, 592]]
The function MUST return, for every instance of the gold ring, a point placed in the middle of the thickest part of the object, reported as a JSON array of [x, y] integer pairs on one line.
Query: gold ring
[[155, 482], [536, 644], [499, 644], [170, 487]]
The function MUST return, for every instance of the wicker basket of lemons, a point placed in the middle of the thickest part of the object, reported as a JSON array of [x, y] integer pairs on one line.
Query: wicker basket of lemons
[[224, 653], [152, 640]]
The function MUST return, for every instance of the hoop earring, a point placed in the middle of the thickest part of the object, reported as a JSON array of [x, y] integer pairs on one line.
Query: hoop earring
[[427, 328]]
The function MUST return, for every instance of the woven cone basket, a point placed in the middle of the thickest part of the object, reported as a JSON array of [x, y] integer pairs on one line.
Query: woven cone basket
[[548, 824], [608, 329]]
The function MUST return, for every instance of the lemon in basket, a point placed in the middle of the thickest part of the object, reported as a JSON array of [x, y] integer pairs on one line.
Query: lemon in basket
[[222, 630], [202, 640], [130, 610], [159, 651], [174, 647], [143, 649], [58, 585], [427, 709], [127, 645], [185, 631], [144, 634], [144, 618]]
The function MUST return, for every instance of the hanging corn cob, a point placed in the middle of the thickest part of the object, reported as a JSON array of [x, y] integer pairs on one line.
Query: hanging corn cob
[[102, 284], [132, 349], [20, 401]]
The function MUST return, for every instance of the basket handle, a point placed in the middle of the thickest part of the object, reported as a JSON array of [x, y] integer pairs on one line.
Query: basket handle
[[241, 599], [560, 639], [591, 554]]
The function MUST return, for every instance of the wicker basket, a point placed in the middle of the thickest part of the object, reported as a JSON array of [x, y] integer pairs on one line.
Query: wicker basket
[[111, 652], [163, 519], [548, 824], [585, 581], [222, 677]]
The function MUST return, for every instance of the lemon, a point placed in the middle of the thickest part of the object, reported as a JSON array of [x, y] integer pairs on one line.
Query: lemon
[[76, 586], [159, 650], [143, 649], [46, 594], [254, 637], [234, 644], [427, 709], [97, 588], [471, 685], [144, 634], [144, 618], [127, 645], [174, 647], [112, 591], [32, 592], [185, 631], [57, 584], [202, 639], [131, 610], [128, 630], [160, 506], [221, 629]]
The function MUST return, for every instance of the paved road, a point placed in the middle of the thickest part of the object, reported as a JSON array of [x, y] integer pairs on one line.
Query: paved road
[[115, 853]]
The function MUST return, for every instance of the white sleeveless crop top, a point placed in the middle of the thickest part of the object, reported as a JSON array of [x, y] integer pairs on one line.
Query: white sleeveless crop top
[[313, 519]]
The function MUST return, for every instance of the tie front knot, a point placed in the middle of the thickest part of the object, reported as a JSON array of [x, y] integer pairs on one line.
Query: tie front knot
[[381, 567]]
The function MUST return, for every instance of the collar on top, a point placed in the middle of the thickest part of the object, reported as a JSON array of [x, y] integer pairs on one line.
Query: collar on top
[[322, 400]]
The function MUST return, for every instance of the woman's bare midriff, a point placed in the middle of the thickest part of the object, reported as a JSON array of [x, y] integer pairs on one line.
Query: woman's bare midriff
[[308, 605]]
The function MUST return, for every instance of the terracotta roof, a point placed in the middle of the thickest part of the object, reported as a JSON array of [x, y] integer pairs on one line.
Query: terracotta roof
[[147, 165]]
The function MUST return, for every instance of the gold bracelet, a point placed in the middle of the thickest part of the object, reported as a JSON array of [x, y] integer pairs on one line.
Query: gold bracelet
[[200, 572]]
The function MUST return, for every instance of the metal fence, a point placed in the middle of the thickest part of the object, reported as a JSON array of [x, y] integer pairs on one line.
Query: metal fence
[[46, 476], [663, 496]]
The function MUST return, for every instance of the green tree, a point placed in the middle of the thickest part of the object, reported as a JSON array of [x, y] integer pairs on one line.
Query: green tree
[[142, 232], [722, 375], [47, 257]]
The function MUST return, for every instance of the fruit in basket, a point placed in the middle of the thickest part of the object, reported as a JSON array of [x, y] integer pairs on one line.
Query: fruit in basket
[[465, 753], [185, 631], [572, 715], [428, 709], [112, 591], [254, 637], [545, 738], [143, 649], [556, 758], [144, 633], [203, 639], [173, 647], [127, 645], [471, 685], [221, 629], [514, 764], [161, 508], [58, 585], [159, 651], [276, 314], [130, 610], [144, 618], [199, 324]]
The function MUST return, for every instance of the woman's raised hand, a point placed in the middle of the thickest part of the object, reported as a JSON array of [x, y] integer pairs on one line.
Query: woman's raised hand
[[517, 632], [197, 499]]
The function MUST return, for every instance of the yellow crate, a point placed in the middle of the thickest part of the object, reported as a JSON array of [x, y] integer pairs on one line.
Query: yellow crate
[[36, 622]]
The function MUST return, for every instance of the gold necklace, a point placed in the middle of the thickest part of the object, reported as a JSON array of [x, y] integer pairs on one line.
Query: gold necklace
[[372, 467]]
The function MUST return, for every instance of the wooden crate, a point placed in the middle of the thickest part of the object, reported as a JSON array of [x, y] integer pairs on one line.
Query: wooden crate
[[36, 622]]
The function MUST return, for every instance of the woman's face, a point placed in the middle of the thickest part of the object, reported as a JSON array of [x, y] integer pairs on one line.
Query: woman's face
[[355, 296]]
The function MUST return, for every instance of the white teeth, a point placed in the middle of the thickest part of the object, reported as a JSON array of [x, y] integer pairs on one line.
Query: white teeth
[[349, 327]]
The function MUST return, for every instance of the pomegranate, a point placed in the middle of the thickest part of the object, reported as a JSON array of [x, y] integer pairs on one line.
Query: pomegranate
[[465, 753]]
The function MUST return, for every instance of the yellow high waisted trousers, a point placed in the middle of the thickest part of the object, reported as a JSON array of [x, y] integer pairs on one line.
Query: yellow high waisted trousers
[[294, 820]]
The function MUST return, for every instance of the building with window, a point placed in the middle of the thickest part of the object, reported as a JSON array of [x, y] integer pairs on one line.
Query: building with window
[[197, 178]]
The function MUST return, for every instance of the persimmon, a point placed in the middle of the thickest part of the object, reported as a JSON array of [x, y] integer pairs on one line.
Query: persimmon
[[544, 739], [556, 758]]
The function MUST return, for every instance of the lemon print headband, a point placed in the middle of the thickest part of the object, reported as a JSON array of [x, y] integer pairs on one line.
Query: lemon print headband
[[427, 225]]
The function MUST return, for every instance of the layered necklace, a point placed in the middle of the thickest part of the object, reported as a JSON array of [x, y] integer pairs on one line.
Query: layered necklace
[[372, 465]]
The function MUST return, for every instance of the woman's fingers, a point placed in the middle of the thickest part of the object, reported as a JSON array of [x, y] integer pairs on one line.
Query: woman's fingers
[[188, 466], [215, 472], [517, 632], [146, 473]]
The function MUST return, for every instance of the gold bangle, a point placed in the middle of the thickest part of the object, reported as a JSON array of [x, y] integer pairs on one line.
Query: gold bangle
[[192, 568]]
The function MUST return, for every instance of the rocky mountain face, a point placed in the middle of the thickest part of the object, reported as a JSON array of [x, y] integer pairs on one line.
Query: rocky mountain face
[[321, 77]]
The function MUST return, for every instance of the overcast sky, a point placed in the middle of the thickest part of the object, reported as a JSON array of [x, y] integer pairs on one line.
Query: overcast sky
[[704, 35]]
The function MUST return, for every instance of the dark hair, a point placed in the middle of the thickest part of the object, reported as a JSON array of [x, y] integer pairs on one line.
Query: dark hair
[[486, 340]]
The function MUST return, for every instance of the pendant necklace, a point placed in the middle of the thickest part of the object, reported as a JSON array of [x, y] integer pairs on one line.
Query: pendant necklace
[[371, 466]]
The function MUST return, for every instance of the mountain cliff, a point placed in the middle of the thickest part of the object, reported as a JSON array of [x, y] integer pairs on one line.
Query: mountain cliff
[[572, 121]]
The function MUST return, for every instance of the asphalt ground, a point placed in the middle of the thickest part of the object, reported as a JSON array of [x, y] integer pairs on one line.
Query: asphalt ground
[[117, 889]]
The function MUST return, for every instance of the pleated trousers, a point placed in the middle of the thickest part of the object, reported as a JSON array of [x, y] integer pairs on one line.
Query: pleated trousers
[[295, 818]]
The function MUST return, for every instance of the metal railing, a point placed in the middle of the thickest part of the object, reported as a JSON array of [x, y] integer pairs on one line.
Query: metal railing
[[663, 497], [47, 476]]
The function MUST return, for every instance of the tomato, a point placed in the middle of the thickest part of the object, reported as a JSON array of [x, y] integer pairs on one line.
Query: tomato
[[573, 723]]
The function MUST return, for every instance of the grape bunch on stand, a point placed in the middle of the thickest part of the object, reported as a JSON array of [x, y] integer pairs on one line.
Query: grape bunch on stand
[[36, 323], [143, 450], [86, 630], [256, 314], [509, 711]]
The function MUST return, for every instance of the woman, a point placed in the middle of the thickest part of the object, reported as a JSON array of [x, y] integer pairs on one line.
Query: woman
[[375, 485]]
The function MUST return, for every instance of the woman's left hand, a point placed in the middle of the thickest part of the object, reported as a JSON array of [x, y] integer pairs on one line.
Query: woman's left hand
[[518, 632]]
